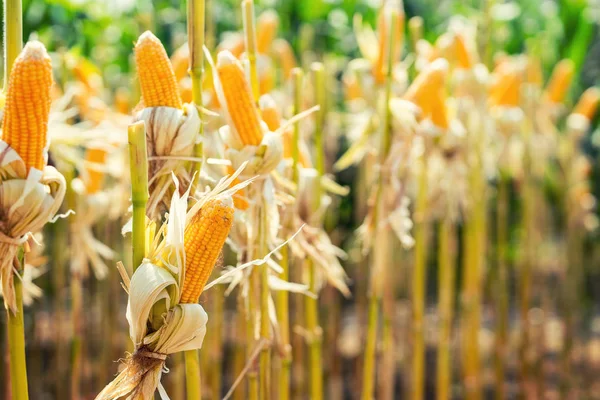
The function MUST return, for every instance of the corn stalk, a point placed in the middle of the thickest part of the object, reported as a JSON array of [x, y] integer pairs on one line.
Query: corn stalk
[[196, 20], [381, 249], [13, 39], [446, 273]]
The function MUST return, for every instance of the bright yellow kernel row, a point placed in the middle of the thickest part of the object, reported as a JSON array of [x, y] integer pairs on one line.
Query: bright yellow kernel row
[[240, 103], [204, 239], [155, 72], [93, 179], [28, 99]]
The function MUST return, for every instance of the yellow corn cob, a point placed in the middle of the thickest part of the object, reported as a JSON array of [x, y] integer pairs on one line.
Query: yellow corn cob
[[266, 81], [239, 198], [424, 88], [122, 100], [380, 65], [240, 104], [506, 91], [288, 152], [234, 43], [588, 103], [266, 30], [535, 76], [285, 55], [560, 81], [185, 90], [28, 101], [181, 61], [439, 112], [93, 181], [352, 85], [463, 55], [269, 112], [155, 72], [204, 239]]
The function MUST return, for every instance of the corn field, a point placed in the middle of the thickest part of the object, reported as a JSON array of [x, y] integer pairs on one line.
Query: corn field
[[308, 199]]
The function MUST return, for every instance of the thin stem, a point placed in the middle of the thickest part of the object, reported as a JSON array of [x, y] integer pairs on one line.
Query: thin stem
[[16, 340], [446, 267], [76, 341], [265, 324], [196, 15], [474, 242], [369, 366], [381, 250], [196, 29], [250, 38], [250, 338], [525, 284], [313, 326], [193, 384], [388, 357], [319, 85], [196, 20], [501, 341], [13, 35], [216, 343], [283, 319], [419, 285], [13, 39], [239, 346], [138, 159], [297, 79], [315, 337]]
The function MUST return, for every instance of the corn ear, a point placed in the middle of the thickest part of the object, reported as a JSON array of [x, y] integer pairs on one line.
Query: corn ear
[[25, 124]]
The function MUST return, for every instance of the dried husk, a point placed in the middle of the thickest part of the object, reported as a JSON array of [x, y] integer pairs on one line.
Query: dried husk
[[158, 324], [27, 202], [312, 241], [86, 249], [171, 135]]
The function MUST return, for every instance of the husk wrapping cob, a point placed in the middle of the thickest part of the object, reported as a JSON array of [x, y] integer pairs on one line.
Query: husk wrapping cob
[[162, 314], [30, 192], [171, 127]]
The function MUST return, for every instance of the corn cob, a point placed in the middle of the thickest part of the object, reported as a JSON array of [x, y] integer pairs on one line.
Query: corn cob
[[155, 72], [269, 112], [185, 90], [288, 146], [285, 55], [234, 43], [240, 103], [506, 91], [352, 91], [93, 181], [380, 65], [463, 55], [87, 73], [439, 113], [239, 198], [266, 30], [588, 103], [25, 124], [122, 100], [181, 61], [560, 80], [266, 82], [204, 239], [535, 76], [423, 89]]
